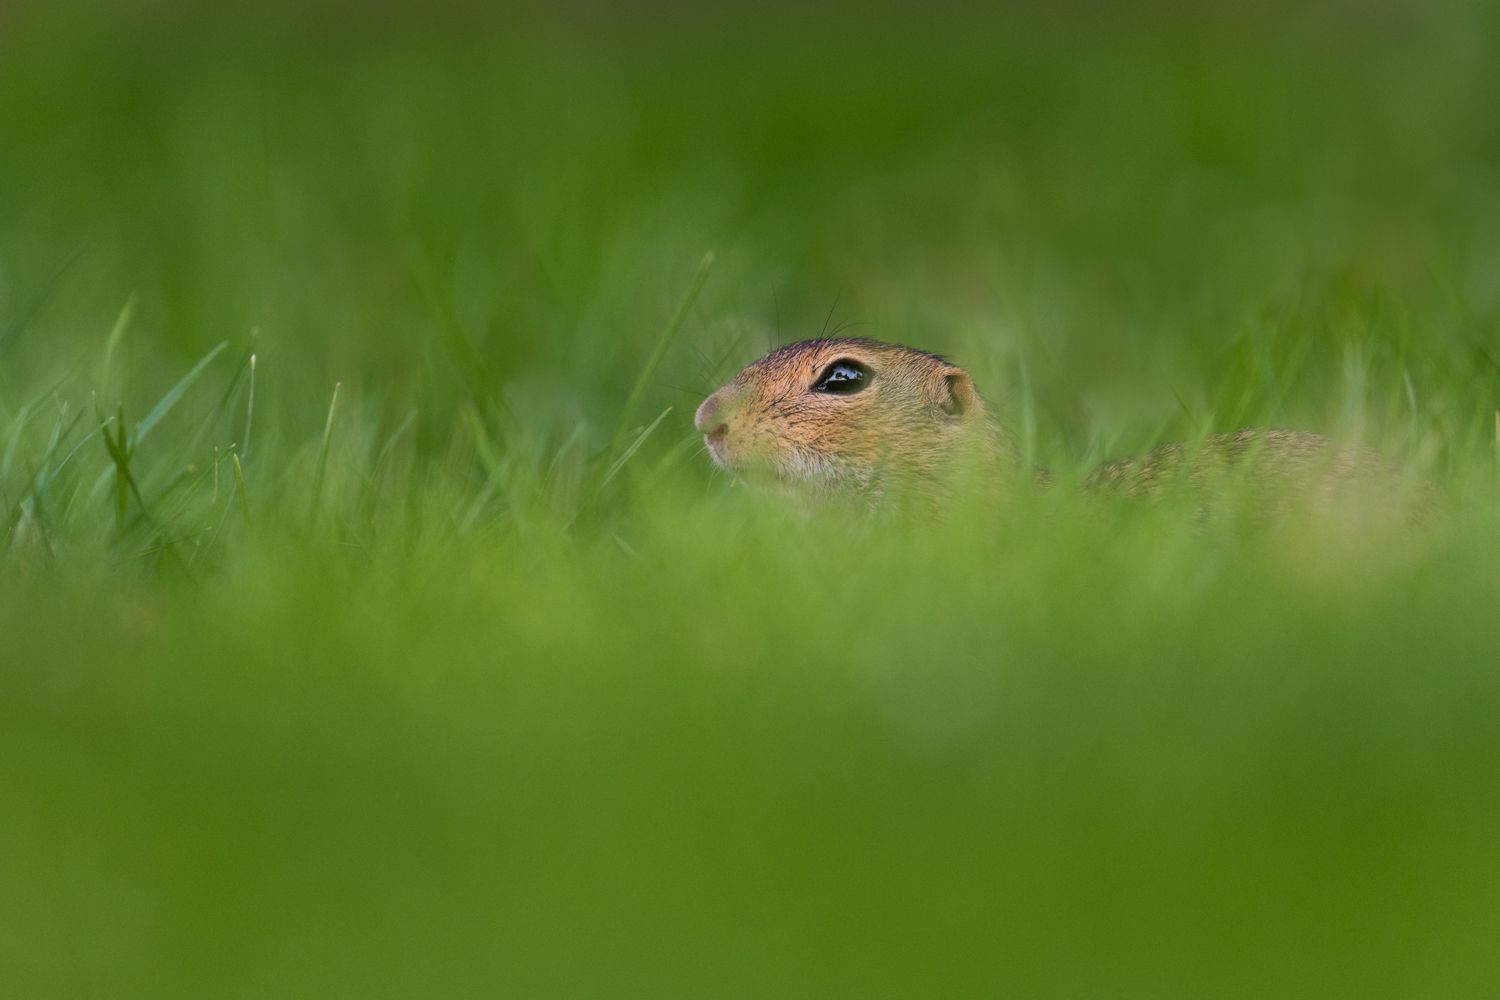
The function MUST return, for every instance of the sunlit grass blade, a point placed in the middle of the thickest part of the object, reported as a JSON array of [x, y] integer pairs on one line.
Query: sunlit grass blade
[[239, 485], [635, 446], [61, 433], [322, 467], [249, 415], [19, 424]]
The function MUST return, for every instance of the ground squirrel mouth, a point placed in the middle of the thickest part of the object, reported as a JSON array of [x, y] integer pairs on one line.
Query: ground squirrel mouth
[[715, 443]]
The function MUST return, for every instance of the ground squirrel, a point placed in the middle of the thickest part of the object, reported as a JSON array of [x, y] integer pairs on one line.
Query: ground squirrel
[[839, 415], [831, 416]]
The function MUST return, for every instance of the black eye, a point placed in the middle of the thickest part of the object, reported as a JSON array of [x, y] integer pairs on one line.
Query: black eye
[[843, 377]]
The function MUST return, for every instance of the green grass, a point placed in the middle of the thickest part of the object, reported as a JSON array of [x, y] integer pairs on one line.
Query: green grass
[[373, 624]]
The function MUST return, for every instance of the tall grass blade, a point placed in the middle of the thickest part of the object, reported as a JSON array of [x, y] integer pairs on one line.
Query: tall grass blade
[[119, 449], [163, 407], [116, 336], [635, 446], [322, 469], [669, 334], [239, 484], [249, 416], [173, 395], [19, 425]]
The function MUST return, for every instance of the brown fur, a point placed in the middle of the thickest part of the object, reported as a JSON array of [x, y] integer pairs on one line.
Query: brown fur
[[1277, 457], [917, 420], [1269, 473], [920, 420]]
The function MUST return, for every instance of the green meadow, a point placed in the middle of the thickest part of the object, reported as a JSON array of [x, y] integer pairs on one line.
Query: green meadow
[[373, 622]]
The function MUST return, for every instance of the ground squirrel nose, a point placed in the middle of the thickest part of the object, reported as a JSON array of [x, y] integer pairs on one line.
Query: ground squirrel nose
[[707, 418]]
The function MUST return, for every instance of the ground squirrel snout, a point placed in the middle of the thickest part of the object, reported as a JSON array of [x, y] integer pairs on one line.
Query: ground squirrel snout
[[842, 415], [830, 415]]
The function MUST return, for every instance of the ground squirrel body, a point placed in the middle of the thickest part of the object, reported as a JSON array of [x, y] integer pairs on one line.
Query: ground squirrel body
[[831, 416]]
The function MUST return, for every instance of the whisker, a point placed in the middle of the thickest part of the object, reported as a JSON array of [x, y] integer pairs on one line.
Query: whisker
[[829, 318]]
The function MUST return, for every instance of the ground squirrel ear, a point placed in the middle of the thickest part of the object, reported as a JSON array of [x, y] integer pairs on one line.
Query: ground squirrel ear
[[955, 392]]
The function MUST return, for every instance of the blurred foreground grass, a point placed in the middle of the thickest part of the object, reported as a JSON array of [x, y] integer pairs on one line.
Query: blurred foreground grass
[[459, 682]]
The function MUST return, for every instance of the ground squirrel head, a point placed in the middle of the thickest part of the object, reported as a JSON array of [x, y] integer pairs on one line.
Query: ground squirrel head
[[830, 416]]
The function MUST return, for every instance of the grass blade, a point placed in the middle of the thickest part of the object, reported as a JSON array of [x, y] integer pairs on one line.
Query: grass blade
[[318, 477], [165, 404], [163, 407], [669, 334], [249, 416], [239, 484], [116, 336], [635, 446]]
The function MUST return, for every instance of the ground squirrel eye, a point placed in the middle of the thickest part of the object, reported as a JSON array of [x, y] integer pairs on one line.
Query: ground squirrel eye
[[843, 378]]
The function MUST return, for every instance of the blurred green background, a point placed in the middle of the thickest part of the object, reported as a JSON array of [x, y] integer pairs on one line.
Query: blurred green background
[[471, 677]]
